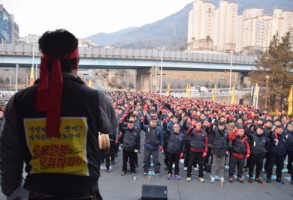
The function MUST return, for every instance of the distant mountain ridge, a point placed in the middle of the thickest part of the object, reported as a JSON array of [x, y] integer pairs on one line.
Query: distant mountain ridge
[[171, 32]]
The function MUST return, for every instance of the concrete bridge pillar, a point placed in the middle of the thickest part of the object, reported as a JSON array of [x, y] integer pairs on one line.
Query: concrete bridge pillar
[[143, 79], [241, 80]]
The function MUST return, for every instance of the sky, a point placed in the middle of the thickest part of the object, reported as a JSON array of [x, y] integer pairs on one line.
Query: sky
[[87, 17]]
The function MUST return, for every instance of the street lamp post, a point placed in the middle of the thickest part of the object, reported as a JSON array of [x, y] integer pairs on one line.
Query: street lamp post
[[267, 85], [10, 82], [161, 74], [231, 60], [16, 78]]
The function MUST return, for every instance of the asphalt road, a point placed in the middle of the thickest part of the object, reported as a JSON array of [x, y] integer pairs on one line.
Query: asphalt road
[[114, 186]]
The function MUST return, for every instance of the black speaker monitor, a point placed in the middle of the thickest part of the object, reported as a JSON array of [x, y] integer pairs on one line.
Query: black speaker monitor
[[154, 192], [241, 101]]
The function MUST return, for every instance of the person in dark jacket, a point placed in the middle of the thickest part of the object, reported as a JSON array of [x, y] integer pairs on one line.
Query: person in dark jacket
[[131, 145], [198, 150], [175, 150], [277, 151], [267, 132], [258, 148], [289, 148], [152, 145], [219, 150], [240, 150], [208, 129], [53, 128]]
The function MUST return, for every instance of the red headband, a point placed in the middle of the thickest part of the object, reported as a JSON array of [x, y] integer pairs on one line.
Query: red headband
[[49, 93]]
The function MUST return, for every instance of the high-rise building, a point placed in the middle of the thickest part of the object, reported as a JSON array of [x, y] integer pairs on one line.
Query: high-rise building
[[30, 38], [239, 33], [256, 27], [282, 22], [201, 25], [9, 30], [226, 26], [259, 28]]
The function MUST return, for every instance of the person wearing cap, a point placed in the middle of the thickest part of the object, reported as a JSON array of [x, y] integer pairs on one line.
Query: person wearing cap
[[175, 150], [198, 149], [276, 153], [152, 145], [131, 145], [219, 150], [208, 159], [45, 129], [188, 126], [258, 147], [267, 132], [289, 147], [240, 150]]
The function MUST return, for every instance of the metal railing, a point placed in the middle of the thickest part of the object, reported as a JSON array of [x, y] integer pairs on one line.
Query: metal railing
[[143, 54]]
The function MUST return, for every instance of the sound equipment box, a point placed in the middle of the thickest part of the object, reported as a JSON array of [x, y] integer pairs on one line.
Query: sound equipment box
[[154, 192], [241, 101]]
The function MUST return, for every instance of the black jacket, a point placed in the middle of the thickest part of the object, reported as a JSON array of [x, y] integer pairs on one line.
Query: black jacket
[[258, 144], [131, 139], [68, 164]]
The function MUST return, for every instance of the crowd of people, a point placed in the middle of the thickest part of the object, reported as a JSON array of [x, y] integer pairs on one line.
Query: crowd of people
[[207, 135], [50, 131]]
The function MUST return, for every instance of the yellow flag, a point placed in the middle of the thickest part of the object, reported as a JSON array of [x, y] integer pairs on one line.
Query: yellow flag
[[233, 95], [186, 91], [215, 93], [168, 90], [32, 77], [290, 101], [90, 83]]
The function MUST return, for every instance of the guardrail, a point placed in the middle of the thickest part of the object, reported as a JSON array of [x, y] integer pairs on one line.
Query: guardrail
[[147, 54]]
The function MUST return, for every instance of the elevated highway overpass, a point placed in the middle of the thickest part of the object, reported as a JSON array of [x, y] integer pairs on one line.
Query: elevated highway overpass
[[146, 62]]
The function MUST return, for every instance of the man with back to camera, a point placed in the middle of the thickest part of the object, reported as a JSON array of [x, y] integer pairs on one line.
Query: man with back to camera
[[52, 126]]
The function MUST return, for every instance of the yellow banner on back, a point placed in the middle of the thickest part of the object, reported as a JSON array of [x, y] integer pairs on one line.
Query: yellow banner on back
[[63, 154]]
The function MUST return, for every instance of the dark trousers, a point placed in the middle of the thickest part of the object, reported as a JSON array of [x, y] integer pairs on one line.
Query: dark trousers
[[131, 156], [105, 156], [266, 165], [136, 159], [290, 160], [186, 156], [195, 156], [112, 150], [166, 159], [173, 158], [279, 162], [258, 161], [239, 162], [208, 157], [146, 160]]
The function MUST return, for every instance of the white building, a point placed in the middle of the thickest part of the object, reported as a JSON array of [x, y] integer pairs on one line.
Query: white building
[[239, 33], [282, 22], [259, 28], [223, 30], [256, 30], [226, 26], [201, 25]]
